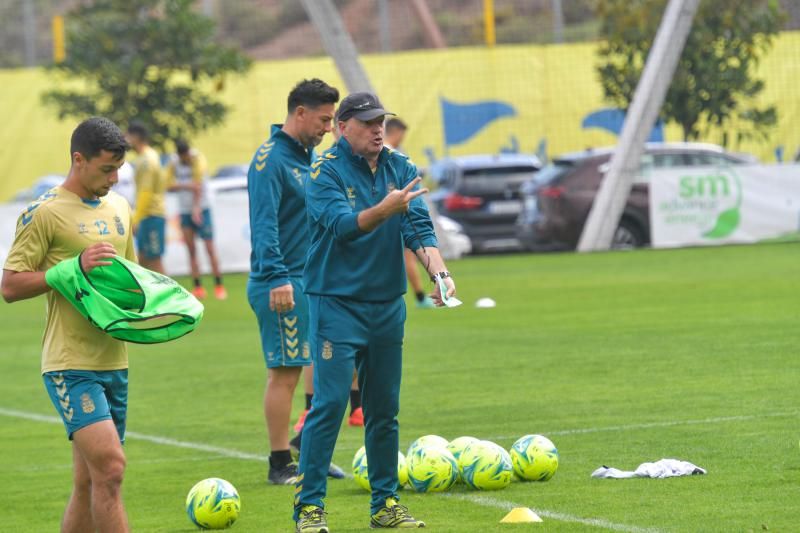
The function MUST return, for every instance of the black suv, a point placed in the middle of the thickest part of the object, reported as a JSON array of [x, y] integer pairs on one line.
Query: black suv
[[482, 194]]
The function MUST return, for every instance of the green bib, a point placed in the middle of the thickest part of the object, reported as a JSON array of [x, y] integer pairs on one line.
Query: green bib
[[127, 301]]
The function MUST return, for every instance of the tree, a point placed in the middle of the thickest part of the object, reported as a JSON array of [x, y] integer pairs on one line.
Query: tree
[[153, 61], [714, 84]]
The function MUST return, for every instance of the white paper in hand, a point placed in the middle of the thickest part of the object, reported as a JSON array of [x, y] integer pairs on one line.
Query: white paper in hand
[[448, 302]]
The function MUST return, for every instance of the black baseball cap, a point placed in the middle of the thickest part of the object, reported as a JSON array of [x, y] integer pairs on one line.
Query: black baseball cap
[[363, 106]]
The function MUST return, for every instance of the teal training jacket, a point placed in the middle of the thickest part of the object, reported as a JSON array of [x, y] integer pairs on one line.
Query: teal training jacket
[[343, 260], [278, 229]]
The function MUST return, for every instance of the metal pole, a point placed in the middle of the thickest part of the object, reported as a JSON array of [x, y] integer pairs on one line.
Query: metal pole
[[209, 8], [29, 31], [338, 43], [431, 29], [647, 101], [558, 21], [488, 23], [383, 25]]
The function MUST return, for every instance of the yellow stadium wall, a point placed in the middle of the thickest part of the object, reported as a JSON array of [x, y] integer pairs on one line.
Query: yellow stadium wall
[[551, 87]]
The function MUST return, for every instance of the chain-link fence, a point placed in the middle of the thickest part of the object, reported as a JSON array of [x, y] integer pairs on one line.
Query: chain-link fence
[[279, 29]]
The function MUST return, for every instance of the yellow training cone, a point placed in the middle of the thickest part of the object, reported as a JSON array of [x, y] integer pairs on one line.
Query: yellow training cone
[[520, 515]]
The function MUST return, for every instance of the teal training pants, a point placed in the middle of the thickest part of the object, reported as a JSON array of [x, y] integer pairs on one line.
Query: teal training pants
[[368, 336]]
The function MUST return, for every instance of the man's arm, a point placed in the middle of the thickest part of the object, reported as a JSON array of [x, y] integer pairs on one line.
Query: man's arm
[[17, 286], [265, 190], [393, 203]]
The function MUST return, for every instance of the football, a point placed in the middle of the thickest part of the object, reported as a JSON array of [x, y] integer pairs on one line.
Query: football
[[213, 504], [485, 465], [361, 473], [534, 457], [431, 469], [426, 441]]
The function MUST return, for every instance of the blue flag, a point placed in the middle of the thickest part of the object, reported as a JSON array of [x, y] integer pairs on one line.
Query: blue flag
[[462, 121], [611, 119]]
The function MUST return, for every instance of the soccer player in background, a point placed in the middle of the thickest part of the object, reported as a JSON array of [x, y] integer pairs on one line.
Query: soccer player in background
[[149, 220], [279, 239], [363, 210], [186, 175], [393, 138], [84, 370]]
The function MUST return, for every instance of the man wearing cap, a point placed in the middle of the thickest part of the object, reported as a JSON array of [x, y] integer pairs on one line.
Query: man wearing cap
[[363, 209]]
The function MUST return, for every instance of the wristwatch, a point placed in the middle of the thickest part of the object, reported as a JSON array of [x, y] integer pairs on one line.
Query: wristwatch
[[441, 275]]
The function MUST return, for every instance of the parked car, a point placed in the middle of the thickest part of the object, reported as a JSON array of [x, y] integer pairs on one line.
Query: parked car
[[481, 193], [557, 201], [39, 187], [231, 171]]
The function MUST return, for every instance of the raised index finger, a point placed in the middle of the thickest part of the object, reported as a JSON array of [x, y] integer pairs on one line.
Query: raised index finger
[[412, 184]]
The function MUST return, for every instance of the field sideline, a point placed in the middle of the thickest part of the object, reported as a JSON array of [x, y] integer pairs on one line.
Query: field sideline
[[619, 358]]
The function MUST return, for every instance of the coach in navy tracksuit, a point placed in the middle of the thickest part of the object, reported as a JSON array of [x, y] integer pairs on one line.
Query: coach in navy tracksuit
[[363, 208]]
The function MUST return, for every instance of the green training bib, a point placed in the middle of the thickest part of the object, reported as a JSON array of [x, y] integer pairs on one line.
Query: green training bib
[[127, 301]]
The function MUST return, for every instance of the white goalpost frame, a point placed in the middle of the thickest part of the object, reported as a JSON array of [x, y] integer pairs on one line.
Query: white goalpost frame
[[648, 98]]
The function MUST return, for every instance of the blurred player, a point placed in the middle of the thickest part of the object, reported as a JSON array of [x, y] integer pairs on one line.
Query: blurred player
[[186, 175], [279, 238], [148, 218], [84, 370], [395, 133], [363, 209]]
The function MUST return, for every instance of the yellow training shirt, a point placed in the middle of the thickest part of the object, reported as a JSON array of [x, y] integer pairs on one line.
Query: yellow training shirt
[[57, 226], [150, 185]]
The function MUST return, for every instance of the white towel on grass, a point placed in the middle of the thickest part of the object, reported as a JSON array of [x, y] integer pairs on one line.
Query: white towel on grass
[[660, 469]]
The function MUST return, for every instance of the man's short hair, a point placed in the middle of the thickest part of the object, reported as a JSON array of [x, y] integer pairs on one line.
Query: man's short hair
[[140, 130], [395, 123], [181, 146], [96, 134], [312, 93]]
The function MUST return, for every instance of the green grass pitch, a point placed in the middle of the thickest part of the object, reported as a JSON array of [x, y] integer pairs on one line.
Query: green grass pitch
[[619, 358]]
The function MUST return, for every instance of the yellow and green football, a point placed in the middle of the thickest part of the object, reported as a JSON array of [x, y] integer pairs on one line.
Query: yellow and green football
[[535, 458], [427, 441], [485, 465], [431, 469], [361, 473], [213, 504]]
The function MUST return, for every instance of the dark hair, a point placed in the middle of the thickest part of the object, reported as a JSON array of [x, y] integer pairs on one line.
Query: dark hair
[[312, 93], [395, 123], [96, 134], [140, 130], [181, 146]]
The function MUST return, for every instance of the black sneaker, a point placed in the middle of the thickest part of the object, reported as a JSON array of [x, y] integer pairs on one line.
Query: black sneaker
[[285, 475]]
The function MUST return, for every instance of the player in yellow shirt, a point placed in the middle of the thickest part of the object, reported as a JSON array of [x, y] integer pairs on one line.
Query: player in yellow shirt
[[84, 370], [186, 176], [148, 218]]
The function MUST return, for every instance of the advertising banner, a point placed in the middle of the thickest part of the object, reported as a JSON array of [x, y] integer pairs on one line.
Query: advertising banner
[[721, 205]]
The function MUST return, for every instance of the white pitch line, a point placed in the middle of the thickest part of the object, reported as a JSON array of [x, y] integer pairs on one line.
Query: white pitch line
[[226, 452], [646, 425], [486, 501], [478, 500]]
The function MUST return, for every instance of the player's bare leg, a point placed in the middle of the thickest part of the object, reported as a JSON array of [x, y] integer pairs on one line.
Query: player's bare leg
[[188, 238], [156, 265], [281, 383], [101, 450], [78, 515], [212, 258]]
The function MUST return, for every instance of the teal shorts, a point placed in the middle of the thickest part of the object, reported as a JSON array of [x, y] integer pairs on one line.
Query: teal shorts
[[151, 237], [204, 230], [284, 336], [84, 397]]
